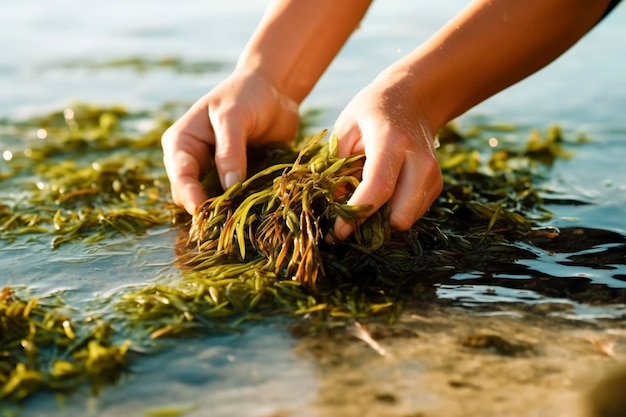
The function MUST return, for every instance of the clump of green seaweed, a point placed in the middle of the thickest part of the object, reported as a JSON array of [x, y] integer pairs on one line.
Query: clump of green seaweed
[[84, 173], [280, 215], [254, 251], [42, 347], [276, 220], [140, 64]]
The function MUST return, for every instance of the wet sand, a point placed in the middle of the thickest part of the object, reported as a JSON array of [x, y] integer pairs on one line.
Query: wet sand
[[443, 361]]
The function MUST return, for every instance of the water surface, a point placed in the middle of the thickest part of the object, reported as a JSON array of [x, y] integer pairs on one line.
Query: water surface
[[49, 55]]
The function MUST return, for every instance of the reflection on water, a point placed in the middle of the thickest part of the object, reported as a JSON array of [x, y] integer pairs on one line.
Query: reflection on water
[[264, 371], [580, 264]]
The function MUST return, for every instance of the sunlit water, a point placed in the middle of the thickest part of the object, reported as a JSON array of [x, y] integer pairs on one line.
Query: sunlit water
[[254, 373]]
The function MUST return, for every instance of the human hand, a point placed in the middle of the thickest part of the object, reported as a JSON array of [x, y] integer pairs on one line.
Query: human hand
[[244, 108], [385, 122]]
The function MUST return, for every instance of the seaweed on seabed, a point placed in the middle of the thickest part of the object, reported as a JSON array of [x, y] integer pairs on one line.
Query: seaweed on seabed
[[279, 215], [88, 173], [277, 220], [43, 347], [256, 250]]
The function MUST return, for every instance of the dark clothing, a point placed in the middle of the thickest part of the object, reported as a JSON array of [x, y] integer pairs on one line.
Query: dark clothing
[[610, 7]]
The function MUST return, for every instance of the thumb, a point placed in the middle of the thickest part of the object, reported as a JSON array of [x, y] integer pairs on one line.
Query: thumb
[[230, 151]]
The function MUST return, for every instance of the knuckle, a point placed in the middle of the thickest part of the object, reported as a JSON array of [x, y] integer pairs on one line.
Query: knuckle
[[402, 221], [230, 150], [168, 136], [433, 172], [383, 188], [228, 110], [437, 183], [176, 197]]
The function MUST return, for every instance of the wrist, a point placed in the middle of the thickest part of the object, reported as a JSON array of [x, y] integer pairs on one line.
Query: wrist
[[257, 65], [254, 79], [419, 92], [296, 41], [438, 85]]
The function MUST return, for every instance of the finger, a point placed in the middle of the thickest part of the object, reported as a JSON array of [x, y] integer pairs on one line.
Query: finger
[[380, 174], [418, 185], [186, 155], [184, 170], [348, 138], [230, 148], [193, 126]]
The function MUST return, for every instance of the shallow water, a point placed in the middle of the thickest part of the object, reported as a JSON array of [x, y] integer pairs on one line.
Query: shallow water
[[45, 51]]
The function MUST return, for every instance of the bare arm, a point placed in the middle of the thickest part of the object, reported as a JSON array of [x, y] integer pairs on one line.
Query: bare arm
[[294, 43], [487, 47], [491, 45], [297, 39]]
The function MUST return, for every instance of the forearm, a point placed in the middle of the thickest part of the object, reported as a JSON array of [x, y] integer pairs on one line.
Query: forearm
[[297, 39], [489, 46]]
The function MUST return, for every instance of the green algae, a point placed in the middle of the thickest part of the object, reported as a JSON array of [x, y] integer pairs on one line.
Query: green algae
[[257, 250], [84, 173], [142, 64], [42, 347]]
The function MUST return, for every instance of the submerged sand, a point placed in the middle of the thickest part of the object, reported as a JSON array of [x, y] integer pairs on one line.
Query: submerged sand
[[439, 360]]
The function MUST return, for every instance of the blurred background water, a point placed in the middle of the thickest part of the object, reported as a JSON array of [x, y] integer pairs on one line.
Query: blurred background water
[[49, 52]]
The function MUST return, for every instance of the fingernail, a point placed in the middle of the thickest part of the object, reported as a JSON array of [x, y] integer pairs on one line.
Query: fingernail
[[190, 208], [231, 178]]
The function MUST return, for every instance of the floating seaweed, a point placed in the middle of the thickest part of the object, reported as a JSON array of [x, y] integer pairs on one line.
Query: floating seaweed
[[140, 64], [85, 173], [281, 214], [42, 347], [255, 250], [278, 218]]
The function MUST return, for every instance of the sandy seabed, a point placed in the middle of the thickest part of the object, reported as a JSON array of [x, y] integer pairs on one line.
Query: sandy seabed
[[444, 361]]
